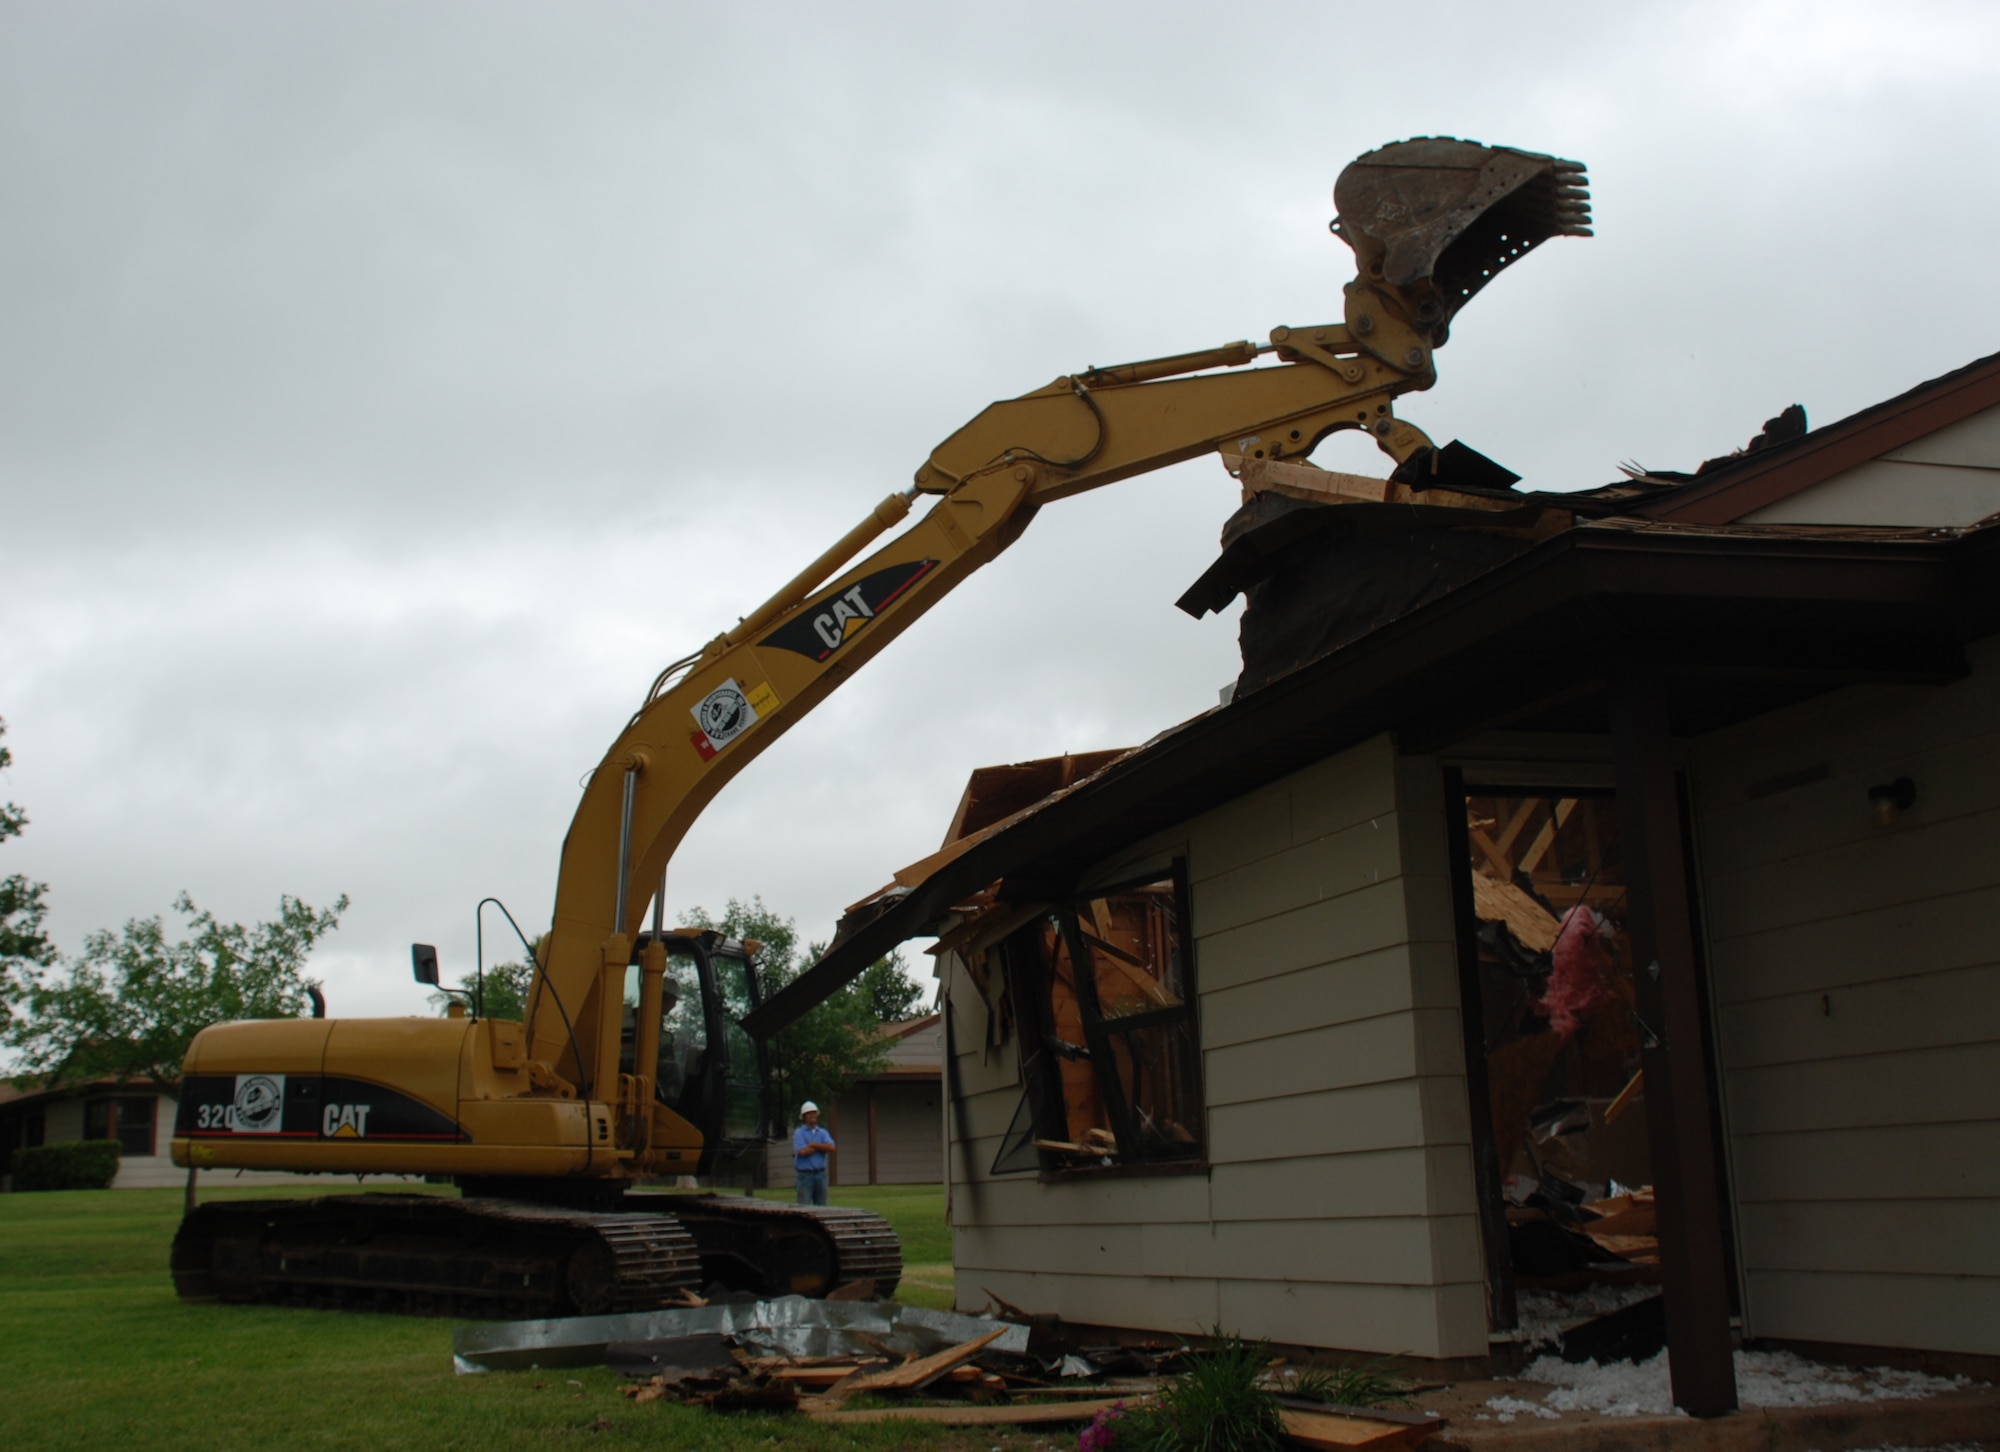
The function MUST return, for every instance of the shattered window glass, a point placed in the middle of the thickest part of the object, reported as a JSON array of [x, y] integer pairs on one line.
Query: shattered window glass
[[1116, 1064]]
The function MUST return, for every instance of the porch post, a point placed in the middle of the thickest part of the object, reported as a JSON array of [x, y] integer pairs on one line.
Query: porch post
[[1692, 1268]]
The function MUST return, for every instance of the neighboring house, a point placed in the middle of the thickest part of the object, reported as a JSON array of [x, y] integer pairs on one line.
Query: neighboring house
[[139, 1116], [1291, 1022], [889, 1124]]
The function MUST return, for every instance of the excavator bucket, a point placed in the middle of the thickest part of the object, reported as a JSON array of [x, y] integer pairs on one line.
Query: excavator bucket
[[1436, 218]]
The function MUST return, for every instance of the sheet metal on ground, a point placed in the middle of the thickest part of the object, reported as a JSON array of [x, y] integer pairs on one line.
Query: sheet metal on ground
[[790, 1326]]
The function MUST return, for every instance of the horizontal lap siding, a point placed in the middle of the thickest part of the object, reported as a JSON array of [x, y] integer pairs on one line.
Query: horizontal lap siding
[[848, 1124], [909, 1149], [1856, 977], [1338, 1208]]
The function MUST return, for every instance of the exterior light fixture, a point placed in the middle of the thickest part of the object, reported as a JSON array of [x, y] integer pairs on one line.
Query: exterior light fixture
[[1891, 799]]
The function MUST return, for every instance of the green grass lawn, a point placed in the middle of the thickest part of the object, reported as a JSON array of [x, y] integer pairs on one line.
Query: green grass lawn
[[100, 1354]]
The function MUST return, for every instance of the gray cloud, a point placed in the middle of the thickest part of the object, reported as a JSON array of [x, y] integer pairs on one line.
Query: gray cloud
[[387, 391]]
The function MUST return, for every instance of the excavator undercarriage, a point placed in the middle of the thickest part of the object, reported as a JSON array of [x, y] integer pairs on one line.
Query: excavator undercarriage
[[482, 1258]]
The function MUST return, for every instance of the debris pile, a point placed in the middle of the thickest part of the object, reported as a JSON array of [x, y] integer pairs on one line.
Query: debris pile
[[1763, 1379], [842, 1361], [871, 1361]]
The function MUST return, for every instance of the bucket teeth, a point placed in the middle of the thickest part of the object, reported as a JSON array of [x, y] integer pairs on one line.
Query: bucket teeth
[[1437, 213]]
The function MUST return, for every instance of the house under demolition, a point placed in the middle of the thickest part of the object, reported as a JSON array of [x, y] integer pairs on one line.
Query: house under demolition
[[1575, 889]]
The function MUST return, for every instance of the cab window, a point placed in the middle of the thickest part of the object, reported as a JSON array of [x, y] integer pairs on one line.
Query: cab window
[[683, 1027], [744, 1088]]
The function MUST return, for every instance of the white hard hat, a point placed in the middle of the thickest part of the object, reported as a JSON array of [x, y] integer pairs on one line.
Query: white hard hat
[[809, 1108]]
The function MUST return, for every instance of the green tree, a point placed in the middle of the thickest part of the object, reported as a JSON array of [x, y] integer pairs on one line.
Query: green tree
[[506, 990], [838, 1042], [131, 1004], [893, 996], [24, 947]]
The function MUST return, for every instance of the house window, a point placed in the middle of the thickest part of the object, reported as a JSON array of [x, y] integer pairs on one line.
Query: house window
[[1114, 1063], [127, 1120]]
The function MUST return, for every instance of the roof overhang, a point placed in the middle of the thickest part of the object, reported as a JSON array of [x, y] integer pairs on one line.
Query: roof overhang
[[1742, 619], [1758, 480]]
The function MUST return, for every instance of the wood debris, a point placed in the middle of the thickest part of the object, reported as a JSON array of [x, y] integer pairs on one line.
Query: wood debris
[[1008, 1416], [1532, 925], [1338, 1429], [915, 1375]]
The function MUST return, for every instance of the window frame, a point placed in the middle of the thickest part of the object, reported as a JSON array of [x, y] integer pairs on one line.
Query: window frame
[[1028, 985], [113, 1107]]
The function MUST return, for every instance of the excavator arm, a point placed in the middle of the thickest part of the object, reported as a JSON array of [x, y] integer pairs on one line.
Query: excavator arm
[[1430, 222]]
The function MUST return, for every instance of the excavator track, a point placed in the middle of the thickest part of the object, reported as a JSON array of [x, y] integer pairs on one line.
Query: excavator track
[[429, 1255], [774, 1249]]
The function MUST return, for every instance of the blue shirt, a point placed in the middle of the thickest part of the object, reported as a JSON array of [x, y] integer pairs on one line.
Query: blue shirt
[[804, 1157]]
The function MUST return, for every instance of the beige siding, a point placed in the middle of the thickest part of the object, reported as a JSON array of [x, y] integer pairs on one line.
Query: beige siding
[[911, 1146], [1338, 1207], [1950, 477], [1857, 994], [921, 1048]]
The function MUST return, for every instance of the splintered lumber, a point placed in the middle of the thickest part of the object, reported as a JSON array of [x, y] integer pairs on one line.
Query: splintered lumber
[[819, 1378], [1008, 1416], [1634, 1087], [1546, 838], [1326, 1430], [915, 1375], [1532, 925]]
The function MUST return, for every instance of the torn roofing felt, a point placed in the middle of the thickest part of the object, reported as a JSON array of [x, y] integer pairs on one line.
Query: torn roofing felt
[[1315, 576], [1759, 477]]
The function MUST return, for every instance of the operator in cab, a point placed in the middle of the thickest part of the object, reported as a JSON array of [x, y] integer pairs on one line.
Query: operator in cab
[[810, 1147]]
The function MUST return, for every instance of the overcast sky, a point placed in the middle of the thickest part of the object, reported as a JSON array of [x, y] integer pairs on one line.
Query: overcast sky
[[388, 391]]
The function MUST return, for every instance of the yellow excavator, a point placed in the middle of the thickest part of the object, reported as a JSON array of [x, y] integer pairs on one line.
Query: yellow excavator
[[632, 1064]]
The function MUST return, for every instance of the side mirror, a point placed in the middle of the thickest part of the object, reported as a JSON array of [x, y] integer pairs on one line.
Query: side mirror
[[424, 961]]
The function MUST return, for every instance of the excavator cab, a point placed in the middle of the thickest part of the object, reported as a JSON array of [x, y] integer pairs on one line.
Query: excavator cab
[[708, 1071]]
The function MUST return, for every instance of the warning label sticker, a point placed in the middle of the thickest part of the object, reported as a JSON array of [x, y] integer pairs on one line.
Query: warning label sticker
[[726, 712]]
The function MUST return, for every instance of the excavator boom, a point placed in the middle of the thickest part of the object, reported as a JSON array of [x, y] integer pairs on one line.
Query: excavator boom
[[1430, 221]]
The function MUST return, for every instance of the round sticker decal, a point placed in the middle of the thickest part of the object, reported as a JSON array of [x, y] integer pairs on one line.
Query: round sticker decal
[[724, 713], [259, 1106]]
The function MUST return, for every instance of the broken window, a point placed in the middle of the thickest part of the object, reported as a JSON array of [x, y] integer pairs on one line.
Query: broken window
[[1563, 1035], [1112, 1061]]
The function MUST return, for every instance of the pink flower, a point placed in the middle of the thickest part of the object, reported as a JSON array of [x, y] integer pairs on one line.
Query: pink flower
[[1099, 1435]]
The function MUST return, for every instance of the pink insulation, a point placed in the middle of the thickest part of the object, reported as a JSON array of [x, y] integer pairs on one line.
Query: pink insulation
[[1582, 976]]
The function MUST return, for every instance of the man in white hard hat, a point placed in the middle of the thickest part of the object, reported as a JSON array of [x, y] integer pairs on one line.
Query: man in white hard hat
[[810, 1147]]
